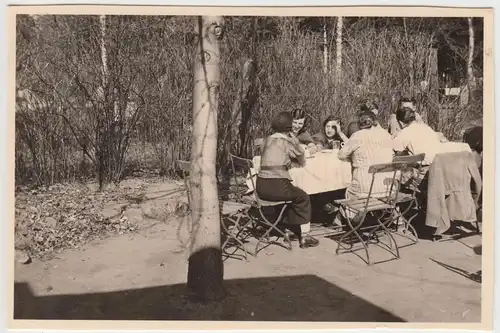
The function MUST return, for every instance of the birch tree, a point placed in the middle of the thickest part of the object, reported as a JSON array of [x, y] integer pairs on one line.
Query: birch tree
[[205, 268], [338, 63], [325, 47], [470, 73]]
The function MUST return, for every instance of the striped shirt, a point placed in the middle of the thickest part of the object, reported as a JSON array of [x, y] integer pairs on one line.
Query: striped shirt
[[365, 148]]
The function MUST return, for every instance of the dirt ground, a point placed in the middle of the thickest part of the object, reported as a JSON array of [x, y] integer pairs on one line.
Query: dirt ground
[[142, 275]]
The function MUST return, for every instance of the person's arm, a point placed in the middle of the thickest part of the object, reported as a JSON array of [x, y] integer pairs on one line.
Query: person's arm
[[295, 151], [476, 177], [393, 124], [399, 145], [340, 133], [349, 147]]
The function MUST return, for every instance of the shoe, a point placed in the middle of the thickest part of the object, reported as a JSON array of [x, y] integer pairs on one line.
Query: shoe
[[308, 241], [291, 236], [330, 209]]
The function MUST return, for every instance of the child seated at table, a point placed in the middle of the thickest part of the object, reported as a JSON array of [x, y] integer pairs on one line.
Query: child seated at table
[[329, 134], [274, 182]]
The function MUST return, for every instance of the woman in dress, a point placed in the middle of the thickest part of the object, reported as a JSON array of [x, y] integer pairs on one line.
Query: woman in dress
[[274, 182]]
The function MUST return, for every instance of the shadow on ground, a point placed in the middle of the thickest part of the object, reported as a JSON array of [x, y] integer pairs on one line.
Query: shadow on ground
[[290, 298]]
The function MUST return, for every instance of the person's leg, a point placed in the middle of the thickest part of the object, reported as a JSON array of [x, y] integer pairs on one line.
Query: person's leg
[[299, 212]]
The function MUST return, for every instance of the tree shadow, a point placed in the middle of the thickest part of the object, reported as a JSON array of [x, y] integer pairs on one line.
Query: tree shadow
[[288, 298]]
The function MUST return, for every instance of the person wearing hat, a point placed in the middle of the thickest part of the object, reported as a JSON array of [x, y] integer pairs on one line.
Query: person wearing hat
[[274, 182]]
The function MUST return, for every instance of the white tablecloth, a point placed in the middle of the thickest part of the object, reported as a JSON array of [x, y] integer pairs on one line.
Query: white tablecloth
[[454, 147], [323, 172]]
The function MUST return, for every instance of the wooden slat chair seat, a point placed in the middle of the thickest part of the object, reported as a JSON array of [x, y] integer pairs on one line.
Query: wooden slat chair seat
[[382, 207], [233, 215], [368, 204], [230, 207], [245, 165]]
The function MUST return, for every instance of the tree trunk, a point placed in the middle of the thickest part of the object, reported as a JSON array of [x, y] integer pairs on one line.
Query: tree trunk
[[205, 270], [433, 113], [338, 53], [104, 52], [102, 153], [471, 80], [325, 49], [411, 63]]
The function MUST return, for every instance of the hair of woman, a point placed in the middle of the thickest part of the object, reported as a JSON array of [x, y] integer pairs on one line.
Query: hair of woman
[[299, 113], [474, 138], [326, 121], [282, 122], [405, 115], [366, 120]]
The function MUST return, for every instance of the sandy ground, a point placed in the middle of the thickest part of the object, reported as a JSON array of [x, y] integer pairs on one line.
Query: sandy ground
[[142, 276]]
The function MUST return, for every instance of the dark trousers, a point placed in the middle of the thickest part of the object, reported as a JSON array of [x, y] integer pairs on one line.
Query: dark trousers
[[281, 189]]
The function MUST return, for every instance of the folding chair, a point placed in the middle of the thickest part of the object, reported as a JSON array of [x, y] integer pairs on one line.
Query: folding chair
[[232, 214], [246, 165], [409, 194], [381, 206]]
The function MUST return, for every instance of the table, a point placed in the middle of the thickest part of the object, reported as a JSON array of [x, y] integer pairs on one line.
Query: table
[[454, 147], [323, 172]]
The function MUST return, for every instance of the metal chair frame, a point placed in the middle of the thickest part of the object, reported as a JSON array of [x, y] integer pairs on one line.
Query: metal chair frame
[[414, 162], [382, 207], [246, 166]]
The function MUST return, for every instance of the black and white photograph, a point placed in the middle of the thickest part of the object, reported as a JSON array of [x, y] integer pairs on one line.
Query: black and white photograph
[[252, 168]]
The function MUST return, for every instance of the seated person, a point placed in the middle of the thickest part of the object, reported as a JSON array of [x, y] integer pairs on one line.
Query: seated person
[[352, 128], [330, 132], [415, 138], [274, 182], [300, 130], [372, 107], [394, 126], [366, 147]]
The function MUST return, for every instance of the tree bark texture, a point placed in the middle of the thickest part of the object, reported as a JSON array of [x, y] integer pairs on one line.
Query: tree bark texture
[[205, 268], [338, 53], [433, 112], [471, 80], [325, 48]]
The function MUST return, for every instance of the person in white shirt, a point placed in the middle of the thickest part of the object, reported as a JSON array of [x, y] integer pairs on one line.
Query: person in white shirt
[[394, 126], [415, 137]]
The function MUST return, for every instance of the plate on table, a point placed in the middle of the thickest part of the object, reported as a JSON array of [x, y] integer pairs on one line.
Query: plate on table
[[328, 151]]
